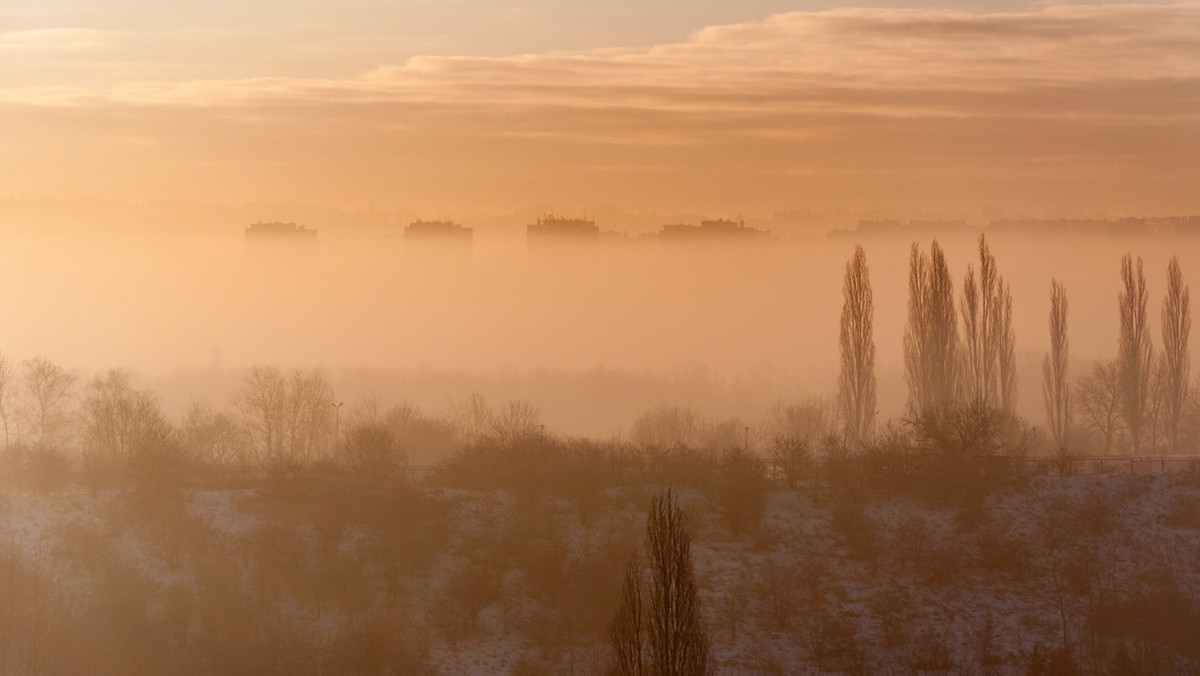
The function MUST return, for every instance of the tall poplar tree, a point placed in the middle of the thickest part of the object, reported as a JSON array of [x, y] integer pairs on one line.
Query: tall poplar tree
[[1175, 367], [1056, 387], [1134, 352], [931, 338], [856, 381]]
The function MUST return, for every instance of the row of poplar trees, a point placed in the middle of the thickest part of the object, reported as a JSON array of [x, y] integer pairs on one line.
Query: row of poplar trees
[[944, 371], [1148, 393]]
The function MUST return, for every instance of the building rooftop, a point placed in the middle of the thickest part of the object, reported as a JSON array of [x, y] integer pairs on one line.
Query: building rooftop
[[719, 228], [279, 229], [438, 229], [557, 226]]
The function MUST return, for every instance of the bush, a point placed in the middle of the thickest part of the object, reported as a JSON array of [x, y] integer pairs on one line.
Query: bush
[[791, 459], [1002, 549], [1184, 511], [44, 468], [858, 530], [372, 451], [892, 608], [470, 590], [740, 489], [777, 591]]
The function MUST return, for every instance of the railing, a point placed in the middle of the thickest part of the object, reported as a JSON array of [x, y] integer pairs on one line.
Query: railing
[[1001, 466], [1110, 464]]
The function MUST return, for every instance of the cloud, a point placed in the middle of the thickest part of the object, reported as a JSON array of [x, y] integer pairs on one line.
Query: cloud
[[743, 66], [54, 40], [1103, 89]]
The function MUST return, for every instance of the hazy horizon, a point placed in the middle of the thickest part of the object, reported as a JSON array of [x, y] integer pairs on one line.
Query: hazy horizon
[[502, 316]]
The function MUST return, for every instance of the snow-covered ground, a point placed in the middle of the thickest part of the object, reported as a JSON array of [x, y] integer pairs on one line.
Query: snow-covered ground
[[483, 582]]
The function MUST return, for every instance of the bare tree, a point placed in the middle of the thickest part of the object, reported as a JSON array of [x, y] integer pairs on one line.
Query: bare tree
[[628, 629], [214, 437], [122, 424], [931, 338], [310, 420], [980, 334], [262, 404], [1175, 366], [1134, 354], [422, 437], [1006, 361], [809, 422], [46, 392], [1099, 401], [989, 361], [665, 426], [472, 418], [678, 640], [915, 357], [1056, 387], [372, 450], [289, 420], [518, 420], [664, 634], [6, 394], [856, 382]]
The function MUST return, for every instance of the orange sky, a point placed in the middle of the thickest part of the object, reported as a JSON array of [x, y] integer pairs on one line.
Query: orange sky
[[1068, 107]]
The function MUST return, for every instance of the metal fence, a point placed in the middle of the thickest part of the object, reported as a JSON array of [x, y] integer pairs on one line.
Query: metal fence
[[1110, 464]]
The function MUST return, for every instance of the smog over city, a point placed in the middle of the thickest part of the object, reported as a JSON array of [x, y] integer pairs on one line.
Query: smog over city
[[555, 337]]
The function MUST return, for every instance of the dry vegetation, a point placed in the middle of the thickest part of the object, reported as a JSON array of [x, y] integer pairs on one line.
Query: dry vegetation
[[283, 534], [510, 558]]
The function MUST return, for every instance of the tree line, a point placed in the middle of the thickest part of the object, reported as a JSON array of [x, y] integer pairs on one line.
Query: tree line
[[960, 359]]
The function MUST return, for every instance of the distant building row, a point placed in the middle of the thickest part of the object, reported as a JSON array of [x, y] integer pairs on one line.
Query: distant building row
[[547, 228], [556, 228], [278, 231]]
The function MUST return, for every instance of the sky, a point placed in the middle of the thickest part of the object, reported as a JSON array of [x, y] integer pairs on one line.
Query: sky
[[751, 106]]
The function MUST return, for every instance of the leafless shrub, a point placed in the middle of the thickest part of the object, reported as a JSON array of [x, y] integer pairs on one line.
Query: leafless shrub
[[808, 422], [933, 651], [987, 652], [831, 636], [378, 642], [892, 607], [740, 489], [41, 468], [518, 421], [778, 592], [1184, 511], [470, 590], [857, 529], [1003, 549], [792, 459], [372, 451], [214, 438], [666, 427]]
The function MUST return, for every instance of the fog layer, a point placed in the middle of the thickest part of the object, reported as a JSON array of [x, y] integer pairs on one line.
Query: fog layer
[[760, 317]]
